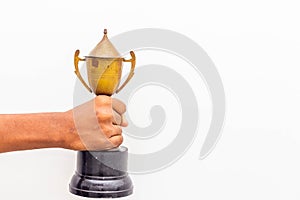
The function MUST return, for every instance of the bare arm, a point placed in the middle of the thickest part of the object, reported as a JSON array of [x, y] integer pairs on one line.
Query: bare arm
[[93, 125], [33, 131]]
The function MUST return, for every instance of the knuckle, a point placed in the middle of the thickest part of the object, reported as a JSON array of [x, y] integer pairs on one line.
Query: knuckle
[[119, 131], [103, 117], [116, 131], [118, 141], [109, 132], [117, 118]]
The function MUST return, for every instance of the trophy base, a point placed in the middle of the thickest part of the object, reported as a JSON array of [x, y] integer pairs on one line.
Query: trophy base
[[102, 174]]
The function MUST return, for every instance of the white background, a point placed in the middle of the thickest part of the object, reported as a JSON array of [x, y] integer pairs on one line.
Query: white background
[[255, 46]]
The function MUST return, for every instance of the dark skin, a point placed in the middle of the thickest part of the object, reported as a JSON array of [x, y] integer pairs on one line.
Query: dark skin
[[94, 125]]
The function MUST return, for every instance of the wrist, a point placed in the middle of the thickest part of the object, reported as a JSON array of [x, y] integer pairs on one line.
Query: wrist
[[63, 126], [69, 137]]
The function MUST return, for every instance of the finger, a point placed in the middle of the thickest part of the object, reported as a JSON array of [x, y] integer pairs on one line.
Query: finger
[[117, 118], [113, 130], [118, 106], [124, 121], [103, 109], [110, 130], [117, 130], [104, 118], [103, 102], [116, 140]]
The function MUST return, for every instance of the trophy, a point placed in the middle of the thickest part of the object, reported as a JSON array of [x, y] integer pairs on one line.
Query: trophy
[[103, 173], [104, 67]]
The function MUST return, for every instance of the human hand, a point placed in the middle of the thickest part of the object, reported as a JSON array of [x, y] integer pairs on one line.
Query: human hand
[[96, 125]]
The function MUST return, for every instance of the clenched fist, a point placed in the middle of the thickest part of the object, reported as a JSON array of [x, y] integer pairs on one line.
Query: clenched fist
[[96, 125]]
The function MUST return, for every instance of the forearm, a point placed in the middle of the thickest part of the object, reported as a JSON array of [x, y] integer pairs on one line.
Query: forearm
[[34, 131]]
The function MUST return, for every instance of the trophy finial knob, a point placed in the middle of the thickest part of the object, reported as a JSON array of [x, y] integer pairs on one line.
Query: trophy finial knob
[[105, 31]]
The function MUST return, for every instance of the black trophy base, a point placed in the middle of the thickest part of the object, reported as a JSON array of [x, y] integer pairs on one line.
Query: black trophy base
[[102, 174]]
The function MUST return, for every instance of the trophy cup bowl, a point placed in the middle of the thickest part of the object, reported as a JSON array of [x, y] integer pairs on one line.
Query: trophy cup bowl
[[103, 173], [104, 73], [104, 68]]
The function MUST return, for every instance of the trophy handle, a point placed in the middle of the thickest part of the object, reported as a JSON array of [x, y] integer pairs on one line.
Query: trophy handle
[[131, 73], [76, 61]]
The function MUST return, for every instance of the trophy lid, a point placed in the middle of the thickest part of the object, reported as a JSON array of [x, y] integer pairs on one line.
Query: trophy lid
[[105, 48]]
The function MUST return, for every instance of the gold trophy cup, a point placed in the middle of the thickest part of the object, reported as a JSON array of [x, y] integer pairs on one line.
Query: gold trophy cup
[[104, 68]]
